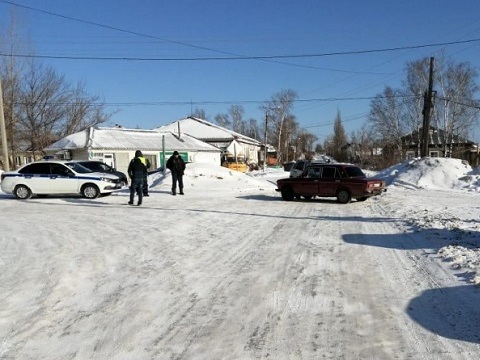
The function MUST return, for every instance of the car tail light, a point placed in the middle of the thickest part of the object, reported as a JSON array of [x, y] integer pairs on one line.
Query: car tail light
[[375, 185]]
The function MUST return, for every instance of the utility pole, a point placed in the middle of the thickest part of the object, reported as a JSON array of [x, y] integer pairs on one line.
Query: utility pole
[[6, 160], [265, 148], [427, 108]]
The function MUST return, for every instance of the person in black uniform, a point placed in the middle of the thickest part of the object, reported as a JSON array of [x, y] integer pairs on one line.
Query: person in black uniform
[[137, 171], [176, 165]]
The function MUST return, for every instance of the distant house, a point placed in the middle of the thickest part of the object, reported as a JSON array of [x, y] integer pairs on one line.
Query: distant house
[[116, 147], [440, 145], [224, 139], [23, 154]]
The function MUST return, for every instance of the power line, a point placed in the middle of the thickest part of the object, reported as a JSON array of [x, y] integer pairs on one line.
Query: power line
[[241, 57], [226, 102], [231, 55]]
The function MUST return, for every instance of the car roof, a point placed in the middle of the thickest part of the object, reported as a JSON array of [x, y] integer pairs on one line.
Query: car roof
[[52, 161], [331, 164]]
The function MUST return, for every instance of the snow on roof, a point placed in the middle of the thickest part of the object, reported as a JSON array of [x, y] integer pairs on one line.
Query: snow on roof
[[70, 142], [202, 129], [129, 139]]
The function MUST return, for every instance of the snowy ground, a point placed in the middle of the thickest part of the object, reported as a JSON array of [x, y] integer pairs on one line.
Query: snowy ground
[[230, 271]]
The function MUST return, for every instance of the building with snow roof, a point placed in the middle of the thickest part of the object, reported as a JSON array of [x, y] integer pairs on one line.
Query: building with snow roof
[[226, 140], [116, 147]]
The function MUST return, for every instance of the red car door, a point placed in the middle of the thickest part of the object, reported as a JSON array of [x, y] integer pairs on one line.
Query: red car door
[[310, 181], [329, 182]]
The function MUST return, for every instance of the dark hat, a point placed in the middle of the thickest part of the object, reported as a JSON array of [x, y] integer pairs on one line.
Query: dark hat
[[175, 152], [138, 153]]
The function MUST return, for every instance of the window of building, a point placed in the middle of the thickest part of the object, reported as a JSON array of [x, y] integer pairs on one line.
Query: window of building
[[434, 154], [410, 155]]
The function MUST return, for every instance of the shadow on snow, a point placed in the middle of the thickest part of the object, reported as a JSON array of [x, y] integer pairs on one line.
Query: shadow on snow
[[448, 312]]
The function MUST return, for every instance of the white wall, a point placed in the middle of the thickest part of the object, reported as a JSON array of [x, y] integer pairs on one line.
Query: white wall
[[205, 157]]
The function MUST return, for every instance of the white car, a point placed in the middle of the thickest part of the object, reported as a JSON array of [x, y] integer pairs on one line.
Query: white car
[[300, 165], [56, 177]]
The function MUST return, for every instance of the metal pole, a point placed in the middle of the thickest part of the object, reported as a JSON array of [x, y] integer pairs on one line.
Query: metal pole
[[162, 156], [6, 162], [265, 148]]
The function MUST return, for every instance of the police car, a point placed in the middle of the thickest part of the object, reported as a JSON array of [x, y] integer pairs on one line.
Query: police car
[[57, 177]]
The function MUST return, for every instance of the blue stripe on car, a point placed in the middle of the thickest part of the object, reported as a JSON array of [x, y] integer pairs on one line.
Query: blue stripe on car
[[54, 175]]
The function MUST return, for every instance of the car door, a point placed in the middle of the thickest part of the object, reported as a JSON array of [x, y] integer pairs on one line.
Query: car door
[[62, 180], [309, 182], [297, 168], [37, 177], [329, 181]]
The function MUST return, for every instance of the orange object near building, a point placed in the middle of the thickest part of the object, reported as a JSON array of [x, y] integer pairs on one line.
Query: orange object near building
[[234, 163]]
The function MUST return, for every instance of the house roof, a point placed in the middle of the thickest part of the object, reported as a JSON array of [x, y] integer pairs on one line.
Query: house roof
[[436, 137], [206, 131], [129, 139]]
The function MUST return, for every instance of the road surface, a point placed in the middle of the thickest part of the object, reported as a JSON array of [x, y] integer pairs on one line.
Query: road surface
[[231, 276]]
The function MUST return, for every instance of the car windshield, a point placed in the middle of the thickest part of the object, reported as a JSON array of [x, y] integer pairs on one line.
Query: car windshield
[[78, 168], [353, 171]]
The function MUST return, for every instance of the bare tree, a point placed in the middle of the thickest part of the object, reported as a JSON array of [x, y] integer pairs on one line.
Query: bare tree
[[455, 111], [305, 142], [223, 120], [397, 112], [251, 129], [41, 106], [81, 112], [234, 120], [366, 154], [236, 113], [49, 108], [277, 110], [10, 71], [387, 117], [199, 114], [339, 138], [289, 136], [459, 112]]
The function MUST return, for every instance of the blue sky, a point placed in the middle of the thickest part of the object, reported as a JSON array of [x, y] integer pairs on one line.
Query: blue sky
[[148, 94]]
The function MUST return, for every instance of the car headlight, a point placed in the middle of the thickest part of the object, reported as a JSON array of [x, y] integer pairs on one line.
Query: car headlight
[[107, 180]]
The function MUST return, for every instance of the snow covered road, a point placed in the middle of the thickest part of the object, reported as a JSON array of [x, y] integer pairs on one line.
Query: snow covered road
[[226, 275]]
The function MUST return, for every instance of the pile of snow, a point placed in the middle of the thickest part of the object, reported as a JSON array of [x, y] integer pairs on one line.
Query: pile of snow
[[461, 223], [432, 173], [215, 179]]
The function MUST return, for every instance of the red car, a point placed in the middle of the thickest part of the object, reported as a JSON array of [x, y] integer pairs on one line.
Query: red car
[[342, 181]]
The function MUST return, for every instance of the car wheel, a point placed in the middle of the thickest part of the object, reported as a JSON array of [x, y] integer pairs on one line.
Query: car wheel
[[287, 194], [90, 191], [307, 197], [22, 192], [363, 198], [344, 196]]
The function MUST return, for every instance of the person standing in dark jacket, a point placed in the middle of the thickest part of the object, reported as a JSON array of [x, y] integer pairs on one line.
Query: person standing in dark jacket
[[176, 165], [137, 172]]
